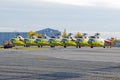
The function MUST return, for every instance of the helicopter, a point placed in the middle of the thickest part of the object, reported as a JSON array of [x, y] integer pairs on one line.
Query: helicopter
[[82, 40], [67, 39], [67, 42], [40, 42], [18, 40], [96, 41], [29, 42], [109, 42], [54, 42]]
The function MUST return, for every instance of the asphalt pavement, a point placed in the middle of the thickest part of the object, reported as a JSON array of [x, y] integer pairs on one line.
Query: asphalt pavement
[[60, 64]]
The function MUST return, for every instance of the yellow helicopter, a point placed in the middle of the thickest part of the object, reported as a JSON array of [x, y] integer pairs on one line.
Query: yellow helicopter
[[67, 40], [82, 40], [54, 42], [96, 41], [40, 42], [18, 40]]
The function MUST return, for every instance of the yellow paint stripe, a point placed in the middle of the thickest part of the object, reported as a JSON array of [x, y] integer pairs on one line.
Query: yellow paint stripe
[[22, 48], [30, 48]]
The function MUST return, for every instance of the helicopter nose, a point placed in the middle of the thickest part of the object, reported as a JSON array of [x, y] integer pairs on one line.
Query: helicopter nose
[[90, 41]]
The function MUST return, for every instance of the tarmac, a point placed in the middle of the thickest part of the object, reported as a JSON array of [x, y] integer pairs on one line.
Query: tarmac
[[60, 63]]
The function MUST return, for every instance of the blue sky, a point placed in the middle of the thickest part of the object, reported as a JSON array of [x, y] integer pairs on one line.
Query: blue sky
[[73, 15]]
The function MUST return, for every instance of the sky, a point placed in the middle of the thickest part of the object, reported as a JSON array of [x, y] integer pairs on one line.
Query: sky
[[72, 15]]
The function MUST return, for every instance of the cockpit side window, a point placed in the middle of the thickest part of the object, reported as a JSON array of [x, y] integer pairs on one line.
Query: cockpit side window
[[64, 40]]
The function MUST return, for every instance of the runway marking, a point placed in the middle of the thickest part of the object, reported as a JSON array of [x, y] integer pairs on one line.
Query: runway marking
[[31, 49]]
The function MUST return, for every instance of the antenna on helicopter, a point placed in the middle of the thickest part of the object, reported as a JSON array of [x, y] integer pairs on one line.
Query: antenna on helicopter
[[84, 35], [97, 35]]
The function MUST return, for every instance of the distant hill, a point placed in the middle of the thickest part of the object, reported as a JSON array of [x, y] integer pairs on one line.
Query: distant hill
[[49, 32]]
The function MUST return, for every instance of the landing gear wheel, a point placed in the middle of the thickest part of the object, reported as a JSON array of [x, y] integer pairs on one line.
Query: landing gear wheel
[[103, 46], [65, 46], [26, 45], [40, 46], [79, 46], [52, 46], [91, 46]]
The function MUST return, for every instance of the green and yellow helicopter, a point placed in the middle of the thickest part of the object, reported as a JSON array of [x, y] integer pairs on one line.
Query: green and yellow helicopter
[[81, 40], [29, 42], [17, 41], [96, 41], [67, 40], [54, 42], [40, 42]]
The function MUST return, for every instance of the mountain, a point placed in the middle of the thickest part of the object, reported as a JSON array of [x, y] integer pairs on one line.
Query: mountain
[[49, 32]]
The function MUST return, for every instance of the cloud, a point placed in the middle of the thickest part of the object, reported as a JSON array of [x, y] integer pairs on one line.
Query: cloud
[[94, 3], [7, 29], [73, 2], [97, 3], [28, 14]]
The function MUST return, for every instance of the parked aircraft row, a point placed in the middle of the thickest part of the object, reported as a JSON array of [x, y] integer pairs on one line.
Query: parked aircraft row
[[81, 41]]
